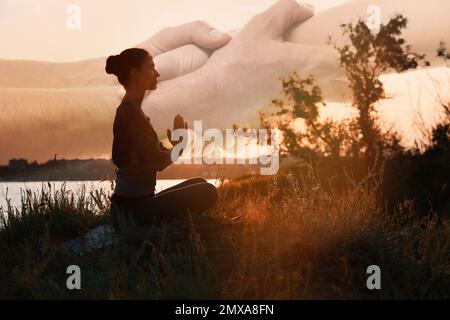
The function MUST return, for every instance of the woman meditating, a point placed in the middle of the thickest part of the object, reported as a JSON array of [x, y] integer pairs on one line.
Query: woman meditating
[[138, 155]]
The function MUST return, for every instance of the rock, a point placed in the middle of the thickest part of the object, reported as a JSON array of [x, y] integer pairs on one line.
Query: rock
[[98, 238]]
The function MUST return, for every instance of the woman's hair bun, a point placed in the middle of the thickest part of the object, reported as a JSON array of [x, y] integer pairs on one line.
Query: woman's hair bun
[[121, 65], [113, 65]]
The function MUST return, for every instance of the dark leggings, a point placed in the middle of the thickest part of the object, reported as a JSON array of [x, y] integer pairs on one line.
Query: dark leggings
[[195, 195]]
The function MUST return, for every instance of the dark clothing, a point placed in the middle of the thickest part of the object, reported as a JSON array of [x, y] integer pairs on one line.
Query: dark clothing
[[138, 155], [195, 195], [136, 152]]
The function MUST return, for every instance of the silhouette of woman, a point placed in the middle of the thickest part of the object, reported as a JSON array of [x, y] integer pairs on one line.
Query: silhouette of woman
[[138, 155]]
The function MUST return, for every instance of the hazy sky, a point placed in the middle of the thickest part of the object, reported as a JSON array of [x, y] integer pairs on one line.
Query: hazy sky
[[37, 30]]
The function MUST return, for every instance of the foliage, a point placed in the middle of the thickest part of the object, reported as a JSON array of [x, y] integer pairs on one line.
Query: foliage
[[365, 58], [304, 134]]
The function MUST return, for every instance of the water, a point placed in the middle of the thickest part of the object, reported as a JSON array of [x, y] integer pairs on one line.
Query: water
[[12, 190]]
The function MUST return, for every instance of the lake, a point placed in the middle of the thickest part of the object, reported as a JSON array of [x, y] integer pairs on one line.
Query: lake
[[13, 190]]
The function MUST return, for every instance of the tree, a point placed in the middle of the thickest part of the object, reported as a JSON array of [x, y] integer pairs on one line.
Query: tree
[[297, 117], [365, 58], [443, 53], [441, 133]]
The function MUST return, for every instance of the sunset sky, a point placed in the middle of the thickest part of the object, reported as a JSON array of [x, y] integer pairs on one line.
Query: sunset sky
[[36, 29]]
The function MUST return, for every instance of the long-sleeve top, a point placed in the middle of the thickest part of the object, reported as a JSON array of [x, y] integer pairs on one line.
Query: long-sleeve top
[[136, 152]]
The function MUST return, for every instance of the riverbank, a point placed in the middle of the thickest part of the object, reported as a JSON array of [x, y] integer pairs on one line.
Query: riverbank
[[20, 170], [296, 240]]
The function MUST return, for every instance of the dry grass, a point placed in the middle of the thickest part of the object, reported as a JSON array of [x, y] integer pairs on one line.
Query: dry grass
[[295, 241]]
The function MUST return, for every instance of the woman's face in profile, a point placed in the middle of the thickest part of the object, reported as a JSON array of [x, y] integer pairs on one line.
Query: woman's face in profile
[[146, 75]]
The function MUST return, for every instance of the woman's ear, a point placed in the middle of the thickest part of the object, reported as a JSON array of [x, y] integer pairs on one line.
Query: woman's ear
[[132, 74]]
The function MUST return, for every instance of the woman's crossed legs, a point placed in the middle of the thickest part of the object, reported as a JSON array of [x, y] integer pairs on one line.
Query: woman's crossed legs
[[194, 195]]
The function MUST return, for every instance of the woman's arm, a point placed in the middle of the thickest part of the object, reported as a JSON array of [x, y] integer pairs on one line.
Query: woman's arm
[[428, 26], [428, 23], [243, 76]]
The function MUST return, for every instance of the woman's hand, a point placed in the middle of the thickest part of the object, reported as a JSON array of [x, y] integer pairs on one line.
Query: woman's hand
[[178, 123], [185, 48]]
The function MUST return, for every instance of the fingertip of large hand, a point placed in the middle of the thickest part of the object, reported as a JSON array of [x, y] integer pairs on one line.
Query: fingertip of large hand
[[306, 4], [305, 10], [218, 38], [308, 7]]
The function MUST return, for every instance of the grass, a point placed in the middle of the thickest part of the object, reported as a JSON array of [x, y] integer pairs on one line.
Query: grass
[[295, 240]]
